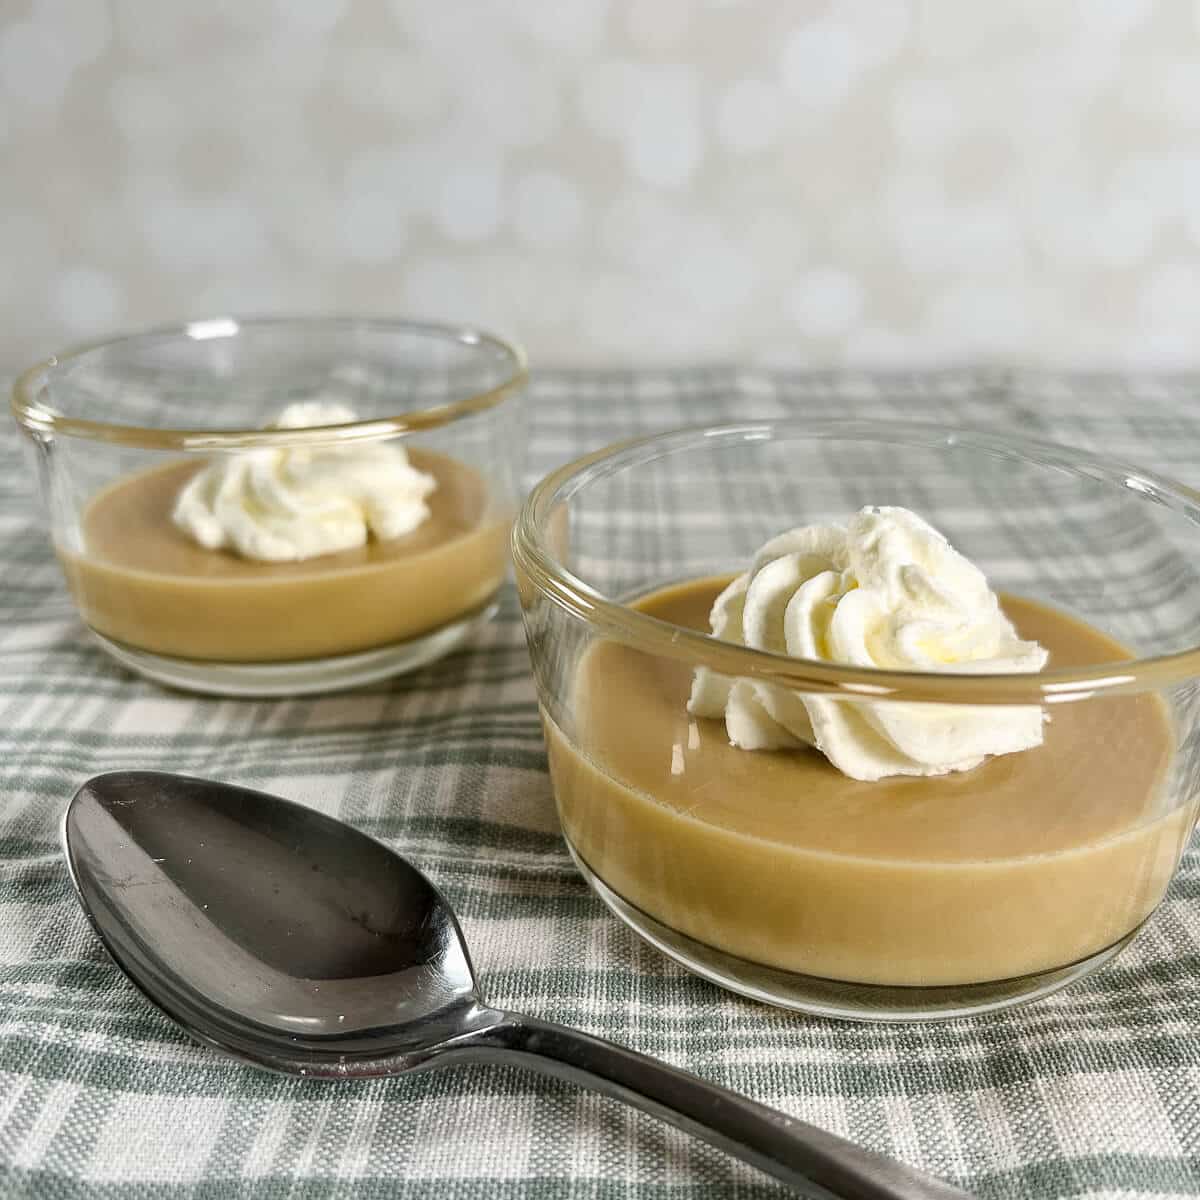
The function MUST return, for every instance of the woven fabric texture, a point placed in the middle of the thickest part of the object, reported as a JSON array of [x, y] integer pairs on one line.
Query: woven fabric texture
[[1092, 1092]]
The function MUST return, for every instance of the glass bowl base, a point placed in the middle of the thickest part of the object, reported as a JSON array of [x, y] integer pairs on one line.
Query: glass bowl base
[[301, 677], [832, 997]]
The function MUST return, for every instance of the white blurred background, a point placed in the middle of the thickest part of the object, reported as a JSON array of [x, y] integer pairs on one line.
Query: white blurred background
[[875, 182]]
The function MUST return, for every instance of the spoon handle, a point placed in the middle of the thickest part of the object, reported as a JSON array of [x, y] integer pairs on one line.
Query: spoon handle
[[818, 1164]]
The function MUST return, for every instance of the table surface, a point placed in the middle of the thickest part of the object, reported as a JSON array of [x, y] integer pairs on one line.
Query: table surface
[[1092, 1092]]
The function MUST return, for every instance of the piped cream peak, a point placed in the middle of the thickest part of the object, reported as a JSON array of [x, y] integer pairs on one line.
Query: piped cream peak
[[888, 591], [286, 504]]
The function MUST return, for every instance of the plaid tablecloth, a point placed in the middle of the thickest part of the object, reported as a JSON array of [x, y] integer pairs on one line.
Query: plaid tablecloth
[[1090, 1093]]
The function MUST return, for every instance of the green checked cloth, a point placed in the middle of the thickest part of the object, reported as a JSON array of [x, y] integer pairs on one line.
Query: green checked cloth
[[1092, 1092]]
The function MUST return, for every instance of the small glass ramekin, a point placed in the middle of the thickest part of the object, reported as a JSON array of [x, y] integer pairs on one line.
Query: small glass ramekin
[[163, 402], [931, 897]]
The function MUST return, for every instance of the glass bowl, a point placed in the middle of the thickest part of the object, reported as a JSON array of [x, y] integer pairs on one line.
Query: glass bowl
[[771, 873], [114, 430]]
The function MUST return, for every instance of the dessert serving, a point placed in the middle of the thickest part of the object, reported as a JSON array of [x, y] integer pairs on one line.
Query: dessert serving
[[349, 535], [852, 777], [279, 554], [859, 871]]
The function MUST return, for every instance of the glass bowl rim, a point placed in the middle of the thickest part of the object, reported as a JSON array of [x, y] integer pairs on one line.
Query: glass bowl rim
[[610, 618], [40, 419]]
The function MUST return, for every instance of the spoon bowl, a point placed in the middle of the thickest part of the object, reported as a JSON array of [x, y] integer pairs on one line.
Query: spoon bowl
[[293, 942], [268, 929]]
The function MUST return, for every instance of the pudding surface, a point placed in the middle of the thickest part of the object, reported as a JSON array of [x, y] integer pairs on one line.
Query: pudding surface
[[142, 581], [1029, 862]]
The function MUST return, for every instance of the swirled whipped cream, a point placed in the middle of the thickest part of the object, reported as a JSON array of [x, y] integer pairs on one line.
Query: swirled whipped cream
[[886, 590], [285, 504]]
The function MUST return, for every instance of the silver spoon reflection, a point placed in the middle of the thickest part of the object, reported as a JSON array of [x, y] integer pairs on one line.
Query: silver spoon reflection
[[293, 942]]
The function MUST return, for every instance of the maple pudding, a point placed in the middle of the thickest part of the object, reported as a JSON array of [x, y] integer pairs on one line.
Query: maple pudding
[[279, 507], [140, 581], [829, 763], [777, 857]]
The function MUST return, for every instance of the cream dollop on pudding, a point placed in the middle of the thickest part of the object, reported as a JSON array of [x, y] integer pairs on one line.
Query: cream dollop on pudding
[[886, 590], [287, 504]]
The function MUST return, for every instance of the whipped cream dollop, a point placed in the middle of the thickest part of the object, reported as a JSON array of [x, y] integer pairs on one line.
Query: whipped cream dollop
[[285, 504], [886, 590]]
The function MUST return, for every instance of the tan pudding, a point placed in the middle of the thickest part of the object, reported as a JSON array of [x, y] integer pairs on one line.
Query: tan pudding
[[1027, 863], [140, 580]]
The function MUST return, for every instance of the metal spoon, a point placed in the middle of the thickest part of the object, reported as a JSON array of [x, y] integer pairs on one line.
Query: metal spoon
[[293, 942]]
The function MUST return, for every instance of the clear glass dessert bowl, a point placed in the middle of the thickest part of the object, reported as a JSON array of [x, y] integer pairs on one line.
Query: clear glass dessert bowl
[[279, 506], [774, 873]]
